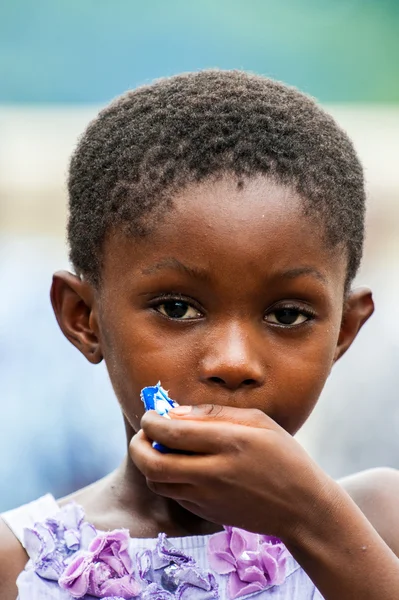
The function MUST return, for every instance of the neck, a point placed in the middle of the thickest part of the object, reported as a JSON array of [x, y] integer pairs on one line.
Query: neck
[[149, 513]]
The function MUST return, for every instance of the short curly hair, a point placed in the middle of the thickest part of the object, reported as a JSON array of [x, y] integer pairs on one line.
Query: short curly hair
[[153, 141]]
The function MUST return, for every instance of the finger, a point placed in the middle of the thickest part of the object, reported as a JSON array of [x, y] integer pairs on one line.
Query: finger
[[185, 495], [167, 468], [251, 417], [176, 491], [201, 437]]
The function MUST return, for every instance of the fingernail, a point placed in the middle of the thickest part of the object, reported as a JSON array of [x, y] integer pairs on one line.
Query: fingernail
[[181, 410]]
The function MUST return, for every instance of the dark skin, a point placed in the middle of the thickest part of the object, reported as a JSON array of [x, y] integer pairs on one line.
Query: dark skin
[[237, 304]]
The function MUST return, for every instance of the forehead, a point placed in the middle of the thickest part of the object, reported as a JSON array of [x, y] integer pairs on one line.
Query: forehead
[[254, 225]]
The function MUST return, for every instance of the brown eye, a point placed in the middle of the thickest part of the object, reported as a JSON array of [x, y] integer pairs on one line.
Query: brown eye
[[287, 316], [178, 309]]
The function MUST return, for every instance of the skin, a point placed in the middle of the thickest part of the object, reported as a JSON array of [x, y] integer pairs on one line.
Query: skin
[[237, 304]]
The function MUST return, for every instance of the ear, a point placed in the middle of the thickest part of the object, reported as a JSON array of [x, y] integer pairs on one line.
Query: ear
[[359, 307], [74, 308]]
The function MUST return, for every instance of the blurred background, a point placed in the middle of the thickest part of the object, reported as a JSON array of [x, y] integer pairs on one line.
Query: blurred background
[[60, 427]]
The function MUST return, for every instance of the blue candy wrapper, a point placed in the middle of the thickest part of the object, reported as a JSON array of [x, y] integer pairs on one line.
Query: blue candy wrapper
[[156, 398]]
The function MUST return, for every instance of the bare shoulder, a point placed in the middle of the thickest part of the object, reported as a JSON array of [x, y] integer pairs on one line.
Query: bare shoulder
[[13, 559], [376, 492]]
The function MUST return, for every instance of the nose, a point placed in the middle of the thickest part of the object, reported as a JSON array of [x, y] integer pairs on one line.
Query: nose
[[232, 359]]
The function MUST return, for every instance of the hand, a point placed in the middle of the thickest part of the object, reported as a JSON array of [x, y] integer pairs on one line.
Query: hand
[[246, 471]]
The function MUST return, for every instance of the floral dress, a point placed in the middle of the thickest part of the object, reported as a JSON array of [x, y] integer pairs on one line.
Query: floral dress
[[70, 559]]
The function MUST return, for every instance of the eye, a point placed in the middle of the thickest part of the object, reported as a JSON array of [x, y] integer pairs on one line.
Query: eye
[[288, 316], [178, 309]]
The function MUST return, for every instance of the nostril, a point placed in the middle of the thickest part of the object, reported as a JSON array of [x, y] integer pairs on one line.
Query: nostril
[[217, 380], [248, 382], [220, 381]]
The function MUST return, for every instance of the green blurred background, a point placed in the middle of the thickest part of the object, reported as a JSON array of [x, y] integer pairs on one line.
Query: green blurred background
[[91, 50]]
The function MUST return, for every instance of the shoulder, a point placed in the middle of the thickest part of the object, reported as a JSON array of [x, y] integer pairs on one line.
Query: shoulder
[[13, 559], [376, 492]]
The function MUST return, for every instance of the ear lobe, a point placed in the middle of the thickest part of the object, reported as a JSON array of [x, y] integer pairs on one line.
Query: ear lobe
[[73, 304], [359, 307]]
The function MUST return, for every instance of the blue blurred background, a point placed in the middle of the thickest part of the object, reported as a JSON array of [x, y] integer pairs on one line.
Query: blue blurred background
[[59, 63]]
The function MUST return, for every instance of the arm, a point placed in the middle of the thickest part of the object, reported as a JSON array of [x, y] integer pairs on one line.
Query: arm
[[248, 472], [342, 552], [13, 559]]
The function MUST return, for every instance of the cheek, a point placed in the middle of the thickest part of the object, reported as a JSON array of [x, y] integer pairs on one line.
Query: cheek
[[301, 397], [299, 382], [136, 359]]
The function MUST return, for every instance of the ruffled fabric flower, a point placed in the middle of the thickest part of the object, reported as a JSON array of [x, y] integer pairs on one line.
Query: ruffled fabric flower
[[50, 544], [253, 562], [104, 570], [69, 553], [170, 574]]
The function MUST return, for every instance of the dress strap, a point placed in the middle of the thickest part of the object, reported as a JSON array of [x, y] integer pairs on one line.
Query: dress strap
[[29, 514]]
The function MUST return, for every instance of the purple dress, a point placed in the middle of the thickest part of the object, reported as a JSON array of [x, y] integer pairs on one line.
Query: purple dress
[[70, 559]]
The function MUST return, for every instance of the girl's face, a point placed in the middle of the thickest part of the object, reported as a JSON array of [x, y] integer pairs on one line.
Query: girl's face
[[233, 299]]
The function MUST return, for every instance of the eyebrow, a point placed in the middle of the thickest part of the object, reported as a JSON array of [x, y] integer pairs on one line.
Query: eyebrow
[[174, 263], [300, 271]]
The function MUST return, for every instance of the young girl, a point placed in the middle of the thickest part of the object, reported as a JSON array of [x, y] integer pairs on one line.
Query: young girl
[[216, 224]]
